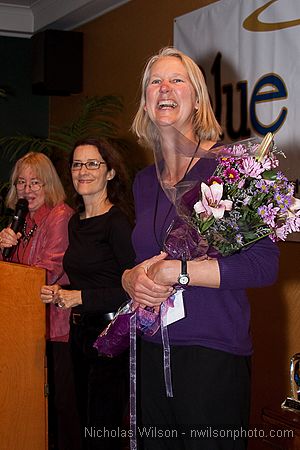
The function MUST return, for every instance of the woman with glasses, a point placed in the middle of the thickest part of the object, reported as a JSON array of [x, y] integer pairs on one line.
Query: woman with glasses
[[99, 251], [43, 238], [42, 242]]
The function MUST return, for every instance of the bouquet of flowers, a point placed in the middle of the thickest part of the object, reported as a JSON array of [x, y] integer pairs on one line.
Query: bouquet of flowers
[[246, 199]]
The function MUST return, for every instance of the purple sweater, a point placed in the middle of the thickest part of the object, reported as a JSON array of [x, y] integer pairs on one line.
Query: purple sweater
[[214, 318]]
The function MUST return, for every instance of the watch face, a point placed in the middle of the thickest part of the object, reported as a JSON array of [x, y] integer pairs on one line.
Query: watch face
[[183, 279]]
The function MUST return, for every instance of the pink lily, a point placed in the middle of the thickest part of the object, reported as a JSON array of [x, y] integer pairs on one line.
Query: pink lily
[[211, 203]]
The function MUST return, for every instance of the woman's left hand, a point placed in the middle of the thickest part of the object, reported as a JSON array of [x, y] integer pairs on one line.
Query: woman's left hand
[[68, 299]]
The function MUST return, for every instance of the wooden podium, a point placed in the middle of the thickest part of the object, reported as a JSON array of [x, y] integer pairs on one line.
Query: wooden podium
[[23, 405]]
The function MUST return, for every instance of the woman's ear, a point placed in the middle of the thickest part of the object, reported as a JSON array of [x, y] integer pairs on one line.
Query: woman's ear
[[110, 174]]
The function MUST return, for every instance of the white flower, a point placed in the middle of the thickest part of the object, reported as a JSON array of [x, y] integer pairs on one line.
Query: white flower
[[211, 203]]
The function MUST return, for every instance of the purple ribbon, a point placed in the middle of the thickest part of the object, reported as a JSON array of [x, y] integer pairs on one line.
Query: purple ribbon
[[167, 360], [132, 367]]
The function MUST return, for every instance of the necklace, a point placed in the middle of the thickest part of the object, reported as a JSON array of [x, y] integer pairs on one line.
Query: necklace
[[27, 236], [159, 239]]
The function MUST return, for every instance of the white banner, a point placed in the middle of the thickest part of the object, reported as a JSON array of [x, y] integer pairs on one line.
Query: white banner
[[249, 51]]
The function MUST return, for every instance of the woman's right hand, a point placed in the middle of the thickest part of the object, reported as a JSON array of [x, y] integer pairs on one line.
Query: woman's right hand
[[8, 238], [141, 288], [49, 294]]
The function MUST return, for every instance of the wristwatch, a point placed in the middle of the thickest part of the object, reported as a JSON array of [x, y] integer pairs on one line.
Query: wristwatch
[[184, 277]]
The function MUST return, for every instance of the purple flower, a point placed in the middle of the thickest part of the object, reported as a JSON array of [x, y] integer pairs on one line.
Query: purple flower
[[262, 186], [290, 189], [293, 224], [241, 183], [268, 214], [266, 163], [231, 175], [239, 239], [251, 167], [280, 176], [282, 200], [281, 233], [213, 180], [225, 161], [246, 200], [269, 162], [238, 150]]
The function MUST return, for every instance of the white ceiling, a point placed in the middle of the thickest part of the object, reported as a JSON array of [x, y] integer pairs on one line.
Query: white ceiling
[[23, 18]]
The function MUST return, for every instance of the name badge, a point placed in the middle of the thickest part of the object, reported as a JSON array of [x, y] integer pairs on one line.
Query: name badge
[[176, 312]]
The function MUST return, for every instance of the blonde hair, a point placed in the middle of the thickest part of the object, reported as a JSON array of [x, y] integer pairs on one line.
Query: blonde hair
[[205, 124], [44, 171]]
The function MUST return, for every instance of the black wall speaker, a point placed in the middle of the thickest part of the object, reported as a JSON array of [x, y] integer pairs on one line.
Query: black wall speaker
[[57, 59]]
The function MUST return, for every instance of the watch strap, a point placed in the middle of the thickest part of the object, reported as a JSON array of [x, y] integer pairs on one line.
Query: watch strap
[[183, 266]]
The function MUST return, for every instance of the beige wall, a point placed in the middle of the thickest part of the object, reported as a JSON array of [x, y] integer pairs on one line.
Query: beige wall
[[116, 47]]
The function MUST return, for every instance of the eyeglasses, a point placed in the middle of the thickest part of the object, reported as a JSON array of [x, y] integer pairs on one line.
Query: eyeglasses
[[90, 165], [34, 186]]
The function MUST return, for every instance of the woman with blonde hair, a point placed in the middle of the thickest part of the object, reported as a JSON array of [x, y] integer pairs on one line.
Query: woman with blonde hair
[[42, 243], [210, 341]]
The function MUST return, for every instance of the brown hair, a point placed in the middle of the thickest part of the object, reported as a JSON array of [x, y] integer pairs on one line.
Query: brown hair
[[119, 187]]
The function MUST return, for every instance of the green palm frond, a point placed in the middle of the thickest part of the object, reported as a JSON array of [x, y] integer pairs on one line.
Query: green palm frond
[[4, 218], [13, 147], [2, 93], [105, 105], [97, 117]]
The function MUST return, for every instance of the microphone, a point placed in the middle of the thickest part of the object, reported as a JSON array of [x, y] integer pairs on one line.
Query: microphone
[[17, 223]]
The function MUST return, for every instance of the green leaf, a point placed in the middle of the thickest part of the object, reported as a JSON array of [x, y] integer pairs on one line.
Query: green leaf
[[269, 175], [96, 118], [205, 224]]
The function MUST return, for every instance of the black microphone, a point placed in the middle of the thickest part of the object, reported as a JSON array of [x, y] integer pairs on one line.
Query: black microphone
[[17, 223]]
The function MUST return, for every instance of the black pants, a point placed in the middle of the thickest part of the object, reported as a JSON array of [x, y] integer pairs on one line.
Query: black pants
[[102, 389], [211, 393], [63, 419]]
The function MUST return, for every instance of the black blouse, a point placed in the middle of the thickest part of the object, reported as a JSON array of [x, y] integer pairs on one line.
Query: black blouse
[[99, 251]]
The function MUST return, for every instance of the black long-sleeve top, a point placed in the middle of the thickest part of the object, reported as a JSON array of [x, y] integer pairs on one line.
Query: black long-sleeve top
[[99, 251]]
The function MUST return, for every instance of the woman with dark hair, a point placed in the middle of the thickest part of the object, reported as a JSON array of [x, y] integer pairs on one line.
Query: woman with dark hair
[[99, 251]]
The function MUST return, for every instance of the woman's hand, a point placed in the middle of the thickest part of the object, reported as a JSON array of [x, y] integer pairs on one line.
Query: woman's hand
[[63, 298], [165, 272], [49, 294], [203, 271], [8, 238], [69, 299], [141, 288]]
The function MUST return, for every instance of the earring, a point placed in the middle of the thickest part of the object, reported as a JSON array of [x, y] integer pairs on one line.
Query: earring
[[112, 174]]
